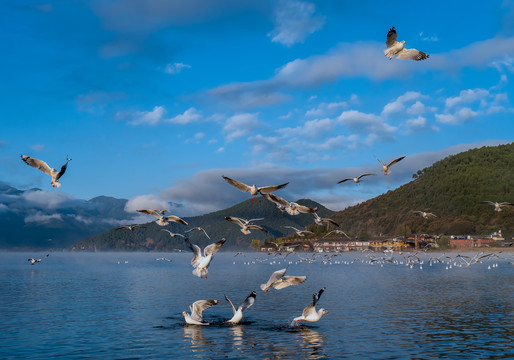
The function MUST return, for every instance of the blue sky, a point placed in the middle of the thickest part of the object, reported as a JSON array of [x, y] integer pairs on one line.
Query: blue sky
[[154, 100]]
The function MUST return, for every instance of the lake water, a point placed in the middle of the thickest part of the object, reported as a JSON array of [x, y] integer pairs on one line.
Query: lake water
[[128, 306]]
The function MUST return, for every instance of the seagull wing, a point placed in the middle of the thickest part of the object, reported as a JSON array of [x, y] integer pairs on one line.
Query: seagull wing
[[150, 212], [176, 219], [305, 209], [205, 232], [395, 161], [230, 302], [288, 281], [411, 54], [197, 252], [213, 248], [257, 227], [199, 306], [237, 184], [277, 199], [235, 220], [249, 301], [342, 181], [328, 220], [62, 171], [270, 189], [274, 277], [391, 37], [315, 297], [364, 175], [38, 164]]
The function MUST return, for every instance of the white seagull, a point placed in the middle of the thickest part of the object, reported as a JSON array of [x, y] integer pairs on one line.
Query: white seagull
[[425, 214], [253, 190], [278, 281], [299, 232], [196, 311], [238, 314], [172, 234], [292, 208], [129, 227], [398, 48], [385, 168], [355, 179], [33, 261], [319, 220], [310, 313], [43, 166], [244, 224], [498, 206], [199, 262], [161, 219], [199, 229]]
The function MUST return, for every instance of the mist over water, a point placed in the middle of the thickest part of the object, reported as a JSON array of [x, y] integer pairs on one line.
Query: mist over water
[[128, 305]]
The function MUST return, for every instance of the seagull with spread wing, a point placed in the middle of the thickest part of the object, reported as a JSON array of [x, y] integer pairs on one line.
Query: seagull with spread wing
[[424, 214], [254, 190], [33, 261], [199, 229], [197, 309], [278, 281], [292, 208], [310, 313], [172, 234], [498, 206], [129, 227], [43, 166], [161, 219], [238, 314], [355, 179], [298, 231], [201, 262], [398, 48], [385, 168], [320, 221], [244, 224]]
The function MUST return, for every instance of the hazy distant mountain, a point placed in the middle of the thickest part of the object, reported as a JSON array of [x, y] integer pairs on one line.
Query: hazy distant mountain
[[151, 238], [453, 189]]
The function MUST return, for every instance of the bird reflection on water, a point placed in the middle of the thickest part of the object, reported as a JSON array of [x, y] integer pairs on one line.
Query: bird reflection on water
[[195, 334], [312, 342]]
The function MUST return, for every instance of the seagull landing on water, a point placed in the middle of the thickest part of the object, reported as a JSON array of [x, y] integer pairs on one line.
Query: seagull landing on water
[[398, 48], [355, 179], [33, 261], [385, 168], [238, 314], [245, 224], [196, 312], [278, 281], [498, 206], [161, 219], [254, 190], [310, 313], [425, 215], [43, 166], [201, 262]]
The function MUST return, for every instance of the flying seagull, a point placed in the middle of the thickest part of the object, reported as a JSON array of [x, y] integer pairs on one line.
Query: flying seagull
[[292, 208], [355, 179], [201, 262], [43, 166], [238, 314], [244, 224], [199, 229], [425, 215], [196, 311], [341, 232], [253, 190], [398, 48], [129, 227], [498, 206], [161, 219], [299, 232], [172, 234], [385, 168], [33, 261], [279, 281], [320, 221], [310, 313]]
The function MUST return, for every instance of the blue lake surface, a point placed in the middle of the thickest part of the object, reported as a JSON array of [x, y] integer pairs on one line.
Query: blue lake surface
[[128, 306]]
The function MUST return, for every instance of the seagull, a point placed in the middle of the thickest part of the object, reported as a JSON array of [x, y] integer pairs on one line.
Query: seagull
[[199, 229], [310, 313], [43, 166], [238, 314], [355, 179], [425, 215], [196, 311], [253, 190], [199, 262], [279, 281], [397, 48], [33, 261], [292, 208], [130, 227], [341, 232], [319, 220], [161, 219], [498, 206], [163, 259], [385, 168], [245, 226], [172, 234], [299, 232]]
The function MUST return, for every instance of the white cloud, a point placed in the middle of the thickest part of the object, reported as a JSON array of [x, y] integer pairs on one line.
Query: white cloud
[[38, 147], [220, 150], [199, 135], [364, 123], [462, 115], [240, 125], [3, 208], [294, 21], [148, 117], [325, 109], [433, 38], [310, 129], [39, 217], [467, 96], [46, 200], [189, 116], [146, 202], [398, 105], [418, 108], [175, 68]]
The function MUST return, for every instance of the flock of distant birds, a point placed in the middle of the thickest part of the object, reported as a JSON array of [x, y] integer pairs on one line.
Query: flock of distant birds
[[277, 280]]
